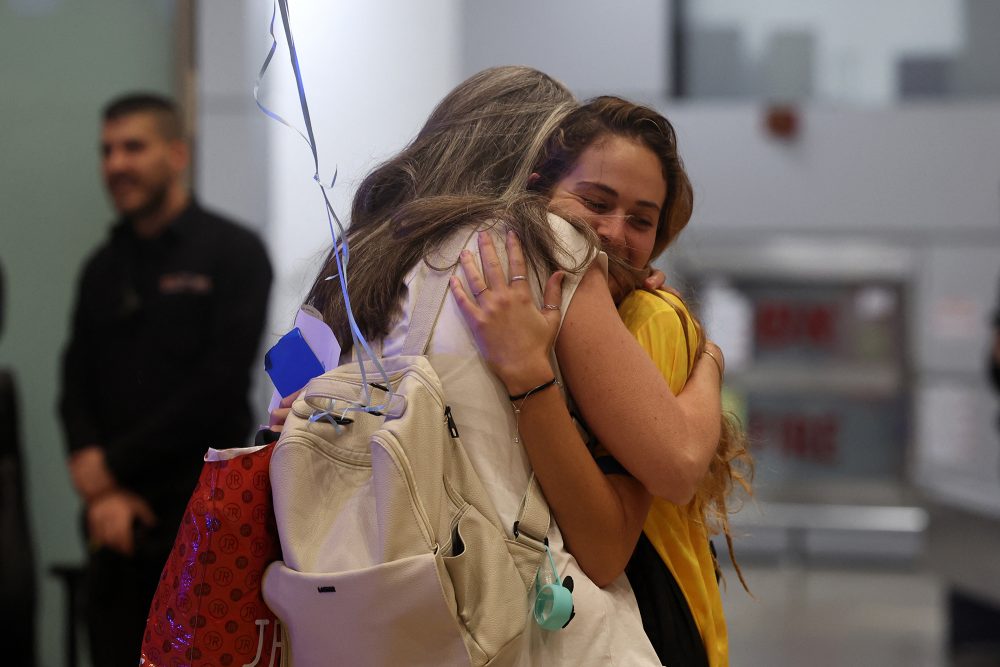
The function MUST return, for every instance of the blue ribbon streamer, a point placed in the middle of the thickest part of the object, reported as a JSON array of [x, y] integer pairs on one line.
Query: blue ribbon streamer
[[341, 251]]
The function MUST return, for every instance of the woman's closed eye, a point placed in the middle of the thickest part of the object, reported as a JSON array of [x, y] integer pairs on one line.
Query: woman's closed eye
[[641, 221], [595, 205]]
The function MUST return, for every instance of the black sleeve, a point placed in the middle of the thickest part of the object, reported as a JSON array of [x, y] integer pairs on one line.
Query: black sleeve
[[76, 409], [9, 426], [242, 284], [994, 363]]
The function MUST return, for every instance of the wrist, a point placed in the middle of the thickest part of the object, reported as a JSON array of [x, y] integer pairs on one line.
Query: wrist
[[514, 398], [518, 381]]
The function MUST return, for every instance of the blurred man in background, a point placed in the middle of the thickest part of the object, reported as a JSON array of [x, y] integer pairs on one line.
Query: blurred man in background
[[994, 364], [166, 328], [17, 563]]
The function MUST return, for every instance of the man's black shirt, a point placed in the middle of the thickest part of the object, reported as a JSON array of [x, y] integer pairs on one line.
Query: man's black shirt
[[994, 364], [164, 336]]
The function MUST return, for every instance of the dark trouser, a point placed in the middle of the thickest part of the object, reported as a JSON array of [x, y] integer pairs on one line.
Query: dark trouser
[[119, 590], [974, 630]]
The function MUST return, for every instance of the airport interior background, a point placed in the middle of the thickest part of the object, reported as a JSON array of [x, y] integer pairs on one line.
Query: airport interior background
[[844, 251]]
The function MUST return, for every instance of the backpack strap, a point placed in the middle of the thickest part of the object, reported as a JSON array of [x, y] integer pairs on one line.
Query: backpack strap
[[427, 305], [532, 524]]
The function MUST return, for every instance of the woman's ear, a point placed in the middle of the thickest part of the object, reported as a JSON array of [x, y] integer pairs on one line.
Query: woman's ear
[[532, 179]]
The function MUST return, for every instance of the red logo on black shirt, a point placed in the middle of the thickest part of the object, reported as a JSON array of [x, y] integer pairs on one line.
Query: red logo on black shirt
[[185, 283]]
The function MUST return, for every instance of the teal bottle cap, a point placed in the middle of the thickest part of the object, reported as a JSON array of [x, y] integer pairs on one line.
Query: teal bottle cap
[[553, 606], [553, 601]]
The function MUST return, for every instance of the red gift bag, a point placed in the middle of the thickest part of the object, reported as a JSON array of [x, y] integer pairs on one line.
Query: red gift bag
[[208, 608]]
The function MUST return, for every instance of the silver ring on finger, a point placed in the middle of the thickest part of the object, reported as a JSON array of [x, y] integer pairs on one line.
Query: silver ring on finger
[[550, 306], [513, 278], [480, 291]]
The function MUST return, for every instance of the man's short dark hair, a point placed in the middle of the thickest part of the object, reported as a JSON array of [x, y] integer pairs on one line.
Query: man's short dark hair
[[167, 114]]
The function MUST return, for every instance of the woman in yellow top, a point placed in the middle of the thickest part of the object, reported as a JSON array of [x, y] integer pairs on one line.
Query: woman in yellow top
[[615, 165], [676, 534]]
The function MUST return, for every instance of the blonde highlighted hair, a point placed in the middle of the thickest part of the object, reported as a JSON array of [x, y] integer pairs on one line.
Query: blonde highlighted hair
[[470, 163]]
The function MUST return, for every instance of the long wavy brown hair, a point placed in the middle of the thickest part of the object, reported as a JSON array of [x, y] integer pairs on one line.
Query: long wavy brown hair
[[469, 164], [732, 466]]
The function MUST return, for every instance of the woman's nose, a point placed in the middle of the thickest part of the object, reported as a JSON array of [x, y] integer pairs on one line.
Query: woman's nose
[[611, 229]]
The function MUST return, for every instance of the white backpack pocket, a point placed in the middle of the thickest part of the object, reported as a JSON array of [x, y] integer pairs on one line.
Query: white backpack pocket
[[394, 613]]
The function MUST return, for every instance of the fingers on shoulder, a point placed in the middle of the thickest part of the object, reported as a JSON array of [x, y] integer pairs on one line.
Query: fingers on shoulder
[[466, 304], [515, 254], [492, 266]]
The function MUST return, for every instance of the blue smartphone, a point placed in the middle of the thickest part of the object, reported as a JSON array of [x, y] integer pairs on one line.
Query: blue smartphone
[[291, 363]]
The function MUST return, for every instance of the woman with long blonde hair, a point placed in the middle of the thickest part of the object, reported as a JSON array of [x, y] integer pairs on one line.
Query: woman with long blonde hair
[[615, 166]]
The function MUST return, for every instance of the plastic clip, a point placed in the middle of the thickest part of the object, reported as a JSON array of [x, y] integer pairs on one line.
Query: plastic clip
[[553, 607]]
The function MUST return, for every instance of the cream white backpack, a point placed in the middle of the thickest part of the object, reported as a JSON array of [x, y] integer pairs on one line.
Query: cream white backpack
[[393, 553]]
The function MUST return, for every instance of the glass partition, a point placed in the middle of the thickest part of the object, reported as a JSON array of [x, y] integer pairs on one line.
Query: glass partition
[[837, 51]]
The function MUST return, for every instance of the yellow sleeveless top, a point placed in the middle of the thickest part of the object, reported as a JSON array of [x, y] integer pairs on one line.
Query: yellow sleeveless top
[[678, 535]]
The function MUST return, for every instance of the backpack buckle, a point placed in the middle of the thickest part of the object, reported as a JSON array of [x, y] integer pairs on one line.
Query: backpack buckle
[[524, 538], [329, 414]]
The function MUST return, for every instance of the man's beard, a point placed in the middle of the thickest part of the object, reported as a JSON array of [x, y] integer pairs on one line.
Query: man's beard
[[154, 203]]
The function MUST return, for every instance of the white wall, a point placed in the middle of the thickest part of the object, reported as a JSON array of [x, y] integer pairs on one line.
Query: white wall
[[372, 74], [231, 142], [592, 46], [928, 168]]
